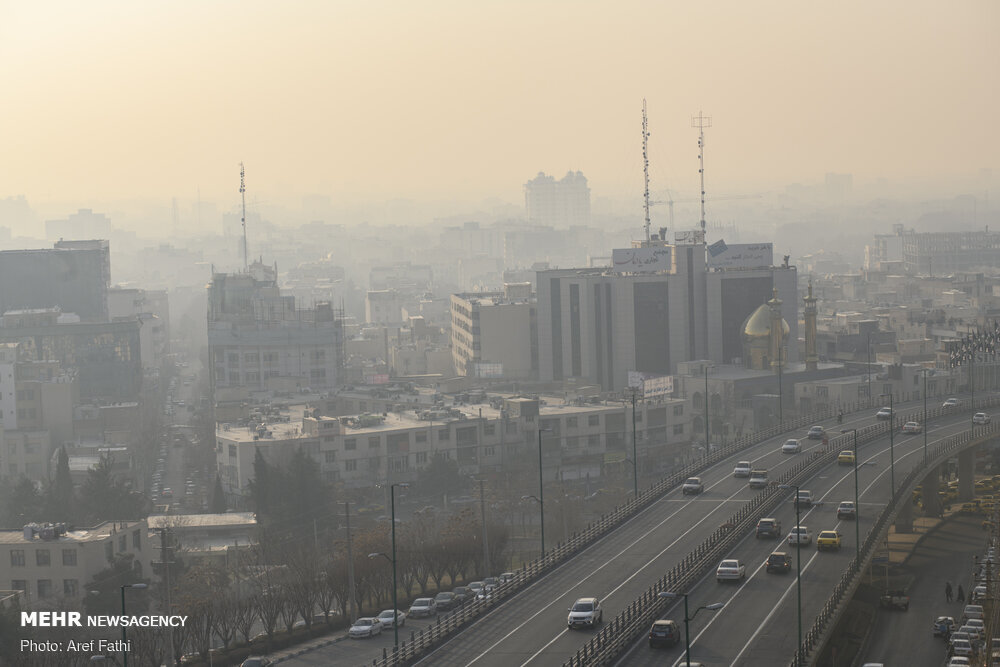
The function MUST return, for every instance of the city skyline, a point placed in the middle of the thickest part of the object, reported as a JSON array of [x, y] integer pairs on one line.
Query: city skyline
[[448, 101]]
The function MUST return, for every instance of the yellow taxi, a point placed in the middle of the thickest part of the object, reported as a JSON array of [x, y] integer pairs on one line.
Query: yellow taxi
[[845, 458]]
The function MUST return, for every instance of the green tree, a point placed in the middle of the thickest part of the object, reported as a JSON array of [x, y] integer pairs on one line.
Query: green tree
[[260, 486], [59, 495], [23, 503], [105, 496], [103, 592], [441, 477], [217, 505]]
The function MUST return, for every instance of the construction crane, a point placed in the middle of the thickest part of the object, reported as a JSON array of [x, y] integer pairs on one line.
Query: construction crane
[[670, 201]]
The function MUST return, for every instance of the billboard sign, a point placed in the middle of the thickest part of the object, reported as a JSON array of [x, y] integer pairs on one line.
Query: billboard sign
[[651, 384], [641, 260], [740, 255], [689, 237]]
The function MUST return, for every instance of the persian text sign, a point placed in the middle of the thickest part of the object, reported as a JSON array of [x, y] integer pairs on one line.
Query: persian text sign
[[641, 260], [742, 256]]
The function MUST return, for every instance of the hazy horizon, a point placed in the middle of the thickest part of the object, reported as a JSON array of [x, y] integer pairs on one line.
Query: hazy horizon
[[450, 102]]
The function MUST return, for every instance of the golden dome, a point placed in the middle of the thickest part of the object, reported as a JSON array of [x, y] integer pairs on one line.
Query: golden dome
[[758, 325]]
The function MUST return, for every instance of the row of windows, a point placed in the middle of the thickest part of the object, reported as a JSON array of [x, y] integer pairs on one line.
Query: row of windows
[[71, 587], [42, 557]]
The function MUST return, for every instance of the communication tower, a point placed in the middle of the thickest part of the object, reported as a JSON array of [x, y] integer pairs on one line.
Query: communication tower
[[701, 121]]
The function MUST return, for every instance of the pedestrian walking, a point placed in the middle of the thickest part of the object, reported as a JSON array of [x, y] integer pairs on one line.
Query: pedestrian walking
[[947, 591], [961, 594]]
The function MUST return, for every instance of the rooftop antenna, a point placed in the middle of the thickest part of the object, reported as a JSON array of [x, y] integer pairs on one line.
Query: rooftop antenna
[[701, 121], [243, 197], [645, 167]]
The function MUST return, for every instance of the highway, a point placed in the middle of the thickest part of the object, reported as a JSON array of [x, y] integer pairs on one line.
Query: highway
[[758, 624], [530, 629]]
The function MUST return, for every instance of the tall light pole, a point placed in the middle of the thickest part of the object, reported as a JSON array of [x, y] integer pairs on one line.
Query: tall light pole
[[541, 505], [635, 457], [869, 346], [124, 640], [392, 517], [541, 485], [798, 563], [486, 543], [892, 453], [924, 428], [687, 619], [708, 446], [857, 502]]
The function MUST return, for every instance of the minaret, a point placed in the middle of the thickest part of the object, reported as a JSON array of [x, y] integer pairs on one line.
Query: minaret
[[775, 350], [812, 360]]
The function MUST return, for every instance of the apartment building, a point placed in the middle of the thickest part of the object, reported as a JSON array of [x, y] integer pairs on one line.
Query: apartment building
[[495, 334]]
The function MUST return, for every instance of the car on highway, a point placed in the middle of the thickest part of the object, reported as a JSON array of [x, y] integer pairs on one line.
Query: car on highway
[[828, 540], [664, 633], [944, 626], [799, 535], [475, 587], [486, 592], [951, 403], [779, 562], [845, 458], [506, 577], [693, 486], [884, 413], [816, 433], [742, 469], [804, 498], [791, 446], [847, 510], [445, 601], [386, 619], [730, 570], [422, 608], [980, 418], [912, 427], [768, 527], [585, 613], [463, 594], [758, 479], [365, 627]]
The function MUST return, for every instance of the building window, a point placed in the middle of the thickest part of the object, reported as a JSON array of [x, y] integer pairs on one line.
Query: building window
[[331, 457], [373, 442], [678, 429], [350, 444], [421, 436], [232, 451], [136, 539], [593, 420], [421, 458], [69, 557], [489, 451], [442, 434], [399, 463], [109, 550], [71, 588], [678, 410], [42, 557], [489, 429], [18, 584], [44, 588], [351, 466], [122, 543], [17, 557], [571, 422]]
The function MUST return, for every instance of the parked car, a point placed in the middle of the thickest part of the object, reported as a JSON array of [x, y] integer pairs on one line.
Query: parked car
[[365, 627], [791, 446], [799, 535], [779, 562], [664, 633], [951, 403], [693, 486], [847, 510], [828, 539], [445, 601], [961, 645], [768, 527], [742, 469], [816, 433], [980, 418], [729, 570], [912, 427], [884, 413], [422, 608], [386, 618], [845, 458], [972, 611], [585, 613]]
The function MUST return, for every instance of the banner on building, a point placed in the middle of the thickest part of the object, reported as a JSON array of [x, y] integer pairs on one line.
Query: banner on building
[[740, 255], [651, 384], [490, 370], [379, 378], [689, 237], [641, 260]]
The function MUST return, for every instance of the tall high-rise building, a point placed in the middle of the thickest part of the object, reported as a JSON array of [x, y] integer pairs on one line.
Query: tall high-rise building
[[564, 202], [73, 276]]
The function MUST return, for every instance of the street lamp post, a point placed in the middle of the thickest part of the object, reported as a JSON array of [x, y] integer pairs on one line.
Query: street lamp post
[[708, 446], [486, 544], [892, 454], [541, 505], [392, 517], [798, 564], [124, 640], [541, 486], [924, 429], [635, 457], [857, 502], [869, 347], [687, 619]]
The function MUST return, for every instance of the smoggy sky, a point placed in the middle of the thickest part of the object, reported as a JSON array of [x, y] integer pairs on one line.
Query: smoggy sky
[[462, 100]]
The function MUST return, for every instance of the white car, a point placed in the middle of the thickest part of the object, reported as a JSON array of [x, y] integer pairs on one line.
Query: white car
[[961, 646], [729, 570], [800, 535], [422, 607], [958, 661], [693, 485], [742, 469], [386, 618], [884, 413], [791, 446], [980, 418], [365, 627], [912, 427], [951, 403], [585, 613]]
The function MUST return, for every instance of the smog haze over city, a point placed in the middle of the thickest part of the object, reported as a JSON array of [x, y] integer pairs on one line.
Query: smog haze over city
[[311, 311]]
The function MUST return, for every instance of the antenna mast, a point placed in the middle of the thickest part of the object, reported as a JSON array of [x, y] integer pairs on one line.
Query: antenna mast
[[645, 167], [243, 197], [701, 121]]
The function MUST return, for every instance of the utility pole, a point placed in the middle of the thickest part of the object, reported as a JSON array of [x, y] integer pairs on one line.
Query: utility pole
[[350, 564], [165, 563], [486, 542]]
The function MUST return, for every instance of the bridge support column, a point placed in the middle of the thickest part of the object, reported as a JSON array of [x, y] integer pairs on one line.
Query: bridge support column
[[931, 499], [904, 520], [966, 478]]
